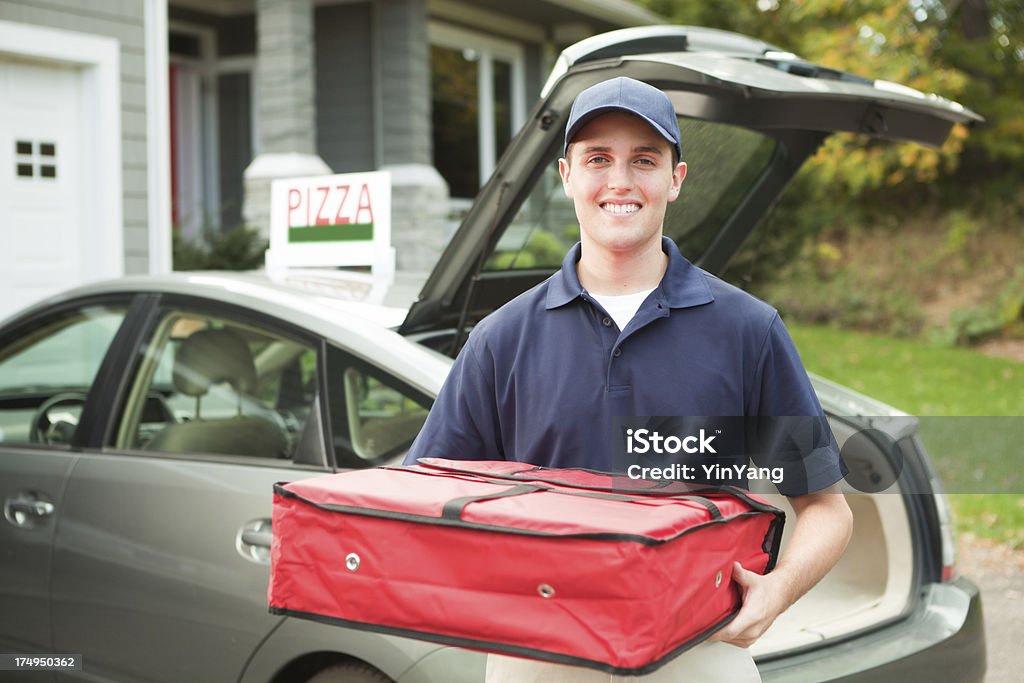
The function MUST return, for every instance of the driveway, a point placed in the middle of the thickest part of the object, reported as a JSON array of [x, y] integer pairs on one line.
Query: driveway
[[999, 571]]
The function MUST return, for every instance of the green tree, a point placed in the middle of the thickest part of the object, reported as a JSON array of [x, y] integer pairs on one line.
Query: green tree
[[985, 38], [971, 51]]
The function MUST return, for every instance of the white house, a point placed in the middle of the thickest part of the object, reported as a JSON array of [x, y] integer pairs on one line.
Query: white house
[[123, 120]]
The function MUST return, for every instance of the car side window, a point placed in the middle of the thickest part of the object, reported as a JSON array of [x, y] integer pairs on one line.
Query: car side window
[[374, 415], [210, 384], [47, 369]]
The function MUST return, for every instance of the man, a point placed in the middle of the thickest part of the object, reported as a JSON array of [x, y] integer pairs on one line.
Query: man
[[628, 327]]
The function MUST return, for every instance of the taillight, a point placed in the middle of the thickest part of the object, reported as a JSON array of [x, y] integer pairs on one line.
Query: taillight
[[945, 517]]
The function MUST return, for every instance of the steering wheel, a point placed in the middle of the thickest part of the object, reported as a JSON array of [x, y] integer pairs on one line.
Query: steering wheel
[[43, 429]]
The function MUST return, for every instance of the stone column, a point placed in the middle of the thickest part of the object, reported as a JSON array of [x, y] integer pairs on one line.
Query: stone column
[[285, 99], [419, 213]]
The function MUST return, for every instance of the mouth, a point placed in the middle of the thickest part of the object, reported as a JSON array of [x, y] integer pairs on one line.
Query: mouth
[[620, 209]]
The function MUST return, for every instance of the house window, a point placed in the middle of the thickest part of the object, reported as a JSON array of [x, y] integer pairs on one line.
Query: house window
[[478, 98], [212, 129], [193, 102]]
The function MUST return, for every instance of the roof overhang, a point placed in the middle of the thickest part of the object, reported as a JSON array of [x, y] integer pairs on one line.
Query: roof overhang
[[561, 21], [617, 12]]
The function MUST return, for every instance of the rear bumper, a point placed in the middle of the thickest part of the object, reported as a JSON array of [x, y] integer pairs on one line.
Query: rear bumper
[[942, 640]]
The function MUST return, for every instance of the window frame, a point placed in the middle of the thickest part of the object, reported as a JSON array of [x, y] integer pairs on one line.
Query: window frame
[[193, 105], [163, 304], [340, 360], [91, 420], [196, 106], [489, 48]]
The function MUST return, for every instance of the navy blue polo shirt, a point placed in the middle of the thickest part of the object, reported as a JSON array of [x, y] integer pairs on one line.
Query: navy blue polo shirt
[[541, 379]]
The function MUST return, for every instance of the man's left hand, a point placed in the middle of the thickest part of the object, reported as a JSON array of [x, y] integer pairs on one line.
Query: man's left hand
[[763, 602], [822, 530]]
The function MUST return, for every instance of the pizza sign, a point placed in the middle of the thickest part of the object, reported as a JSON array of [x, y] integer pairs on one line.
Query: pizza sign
[[330, 212], [336, 220]]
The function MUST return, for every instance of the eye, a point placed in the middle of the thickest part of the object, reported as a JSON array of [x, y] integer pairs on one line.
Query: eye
[[598, 159], [645, 161]]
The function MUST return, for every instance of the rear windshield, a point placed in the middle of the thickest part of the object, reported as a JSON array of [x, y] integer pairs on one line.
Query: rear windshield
[[723, 162]]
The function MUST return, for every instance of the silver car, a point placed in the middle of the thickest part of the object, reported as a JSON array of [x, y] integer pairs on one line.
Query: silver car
[[144, 421]]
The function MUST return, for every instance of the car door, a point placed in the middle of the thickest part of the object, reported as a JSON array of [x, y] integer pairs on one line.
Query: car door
[[50, 364], [160, 563]]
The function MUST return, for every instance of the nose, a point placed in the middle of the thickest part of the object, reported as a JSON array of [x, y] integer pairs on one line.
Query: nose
[[620, 176]]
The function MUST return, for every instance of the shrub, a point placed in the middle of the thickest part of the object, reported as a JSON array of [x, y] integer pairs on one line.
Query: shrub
[[1004, 314], [239, 248], [821, 286]]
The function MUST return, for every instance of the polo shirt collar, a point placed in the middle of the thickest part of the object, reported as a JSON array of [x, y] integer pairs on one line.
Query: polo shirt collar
[[683, 285]]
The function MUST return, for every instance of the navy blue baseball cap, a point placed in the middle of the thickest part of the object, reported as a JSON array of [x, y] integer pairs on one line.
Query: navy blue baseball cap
[[628, 95]]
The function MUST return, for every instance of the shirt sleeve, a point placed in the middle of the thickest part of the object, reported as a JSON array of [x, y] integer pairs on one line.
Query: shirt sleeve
[[463, 423], [794, 432]]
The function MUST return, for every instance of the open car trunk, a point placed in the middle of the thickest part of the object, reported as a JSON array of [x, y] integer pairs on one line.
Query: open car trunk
[[873, 582], [749, 114], [861, 592]]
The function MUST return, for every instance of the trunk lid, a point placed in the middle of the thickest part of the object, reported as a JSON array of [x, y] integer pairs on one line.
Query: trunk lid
[[750, 115]]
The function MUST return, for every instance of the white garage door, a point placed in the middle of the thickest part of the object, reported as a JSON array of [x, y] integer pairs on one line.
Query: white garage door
[[44, 219]]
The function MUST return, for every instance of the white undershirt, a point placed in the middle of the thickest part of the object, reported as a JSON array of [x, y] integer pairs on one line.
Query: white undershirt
[[622, 307]]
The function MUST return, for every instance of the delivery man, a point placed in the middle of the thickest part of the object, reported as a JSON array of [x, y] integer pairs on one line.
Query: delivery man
[[629, 327]]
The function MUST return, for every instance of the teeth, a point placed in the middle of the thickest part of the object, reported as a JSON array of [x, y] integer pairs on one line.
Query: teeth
[[621, 208]]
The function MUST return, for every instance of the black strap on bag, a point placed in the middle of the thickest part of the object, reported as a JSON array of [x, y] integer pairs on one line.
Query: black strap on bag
[[454, 508]]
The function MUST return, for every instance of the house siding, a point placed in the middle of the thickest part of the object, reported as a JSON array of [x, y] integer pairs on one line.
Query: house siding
[[124, 21], [344, 86]]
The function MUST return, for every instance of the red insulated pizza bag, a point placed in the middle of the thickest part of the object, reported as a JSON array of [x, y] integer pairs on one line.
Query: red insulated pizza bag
[[559, 565]]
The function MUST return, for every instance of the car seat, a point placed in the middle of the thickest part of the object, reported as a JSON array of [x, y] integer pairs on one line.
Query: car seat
[[207, 358]]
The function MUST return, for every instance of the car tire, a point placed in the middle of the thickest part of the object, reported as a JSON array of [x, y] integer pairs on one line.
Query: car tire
[[350, 672]]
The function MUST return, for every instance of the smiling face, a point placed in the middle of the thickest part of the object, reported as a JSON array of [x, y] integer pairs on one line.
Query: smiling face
[[620, 175]]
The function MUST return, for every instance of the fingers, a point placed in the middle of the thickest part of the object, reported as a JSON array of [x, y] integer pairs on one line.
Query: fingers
[[743, 577], [743, 631], [754, 616]]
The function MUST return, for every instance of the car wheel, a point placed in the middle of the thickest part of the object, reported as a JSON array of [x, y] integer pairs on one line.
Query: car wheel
[[350, 672]]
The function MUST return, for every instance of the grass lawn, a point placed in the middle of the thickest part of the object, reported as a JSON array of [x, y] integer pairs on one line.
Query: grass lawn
[[942, 382]]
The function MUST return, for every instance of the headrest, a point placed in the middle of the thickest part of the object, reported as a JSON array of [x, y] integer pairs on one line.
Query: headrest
[[209, 357]]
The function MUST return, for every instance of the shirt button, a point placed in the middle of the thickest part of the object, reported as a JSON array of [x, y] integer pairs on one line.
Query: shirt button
[[607, 322], [617, 352]]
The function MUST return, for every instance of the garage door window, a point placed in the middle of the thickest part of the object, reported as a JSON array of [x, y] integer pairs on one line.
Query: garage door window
[[35, 159]]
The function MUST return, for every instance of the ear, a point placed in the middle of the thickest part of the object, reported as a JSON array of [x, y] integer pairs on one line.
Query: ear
[[563, 170], [678, 175]]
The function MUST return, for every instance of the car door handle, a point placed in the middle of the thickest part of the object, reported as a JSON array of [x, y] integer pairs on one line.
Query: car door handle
[[253, 541], [39, 508], [27, 509], [259, 538]]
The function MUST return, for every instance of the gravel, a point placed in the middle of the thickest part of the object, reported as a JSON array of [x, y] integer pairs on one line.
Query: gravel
[[999, 572]]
